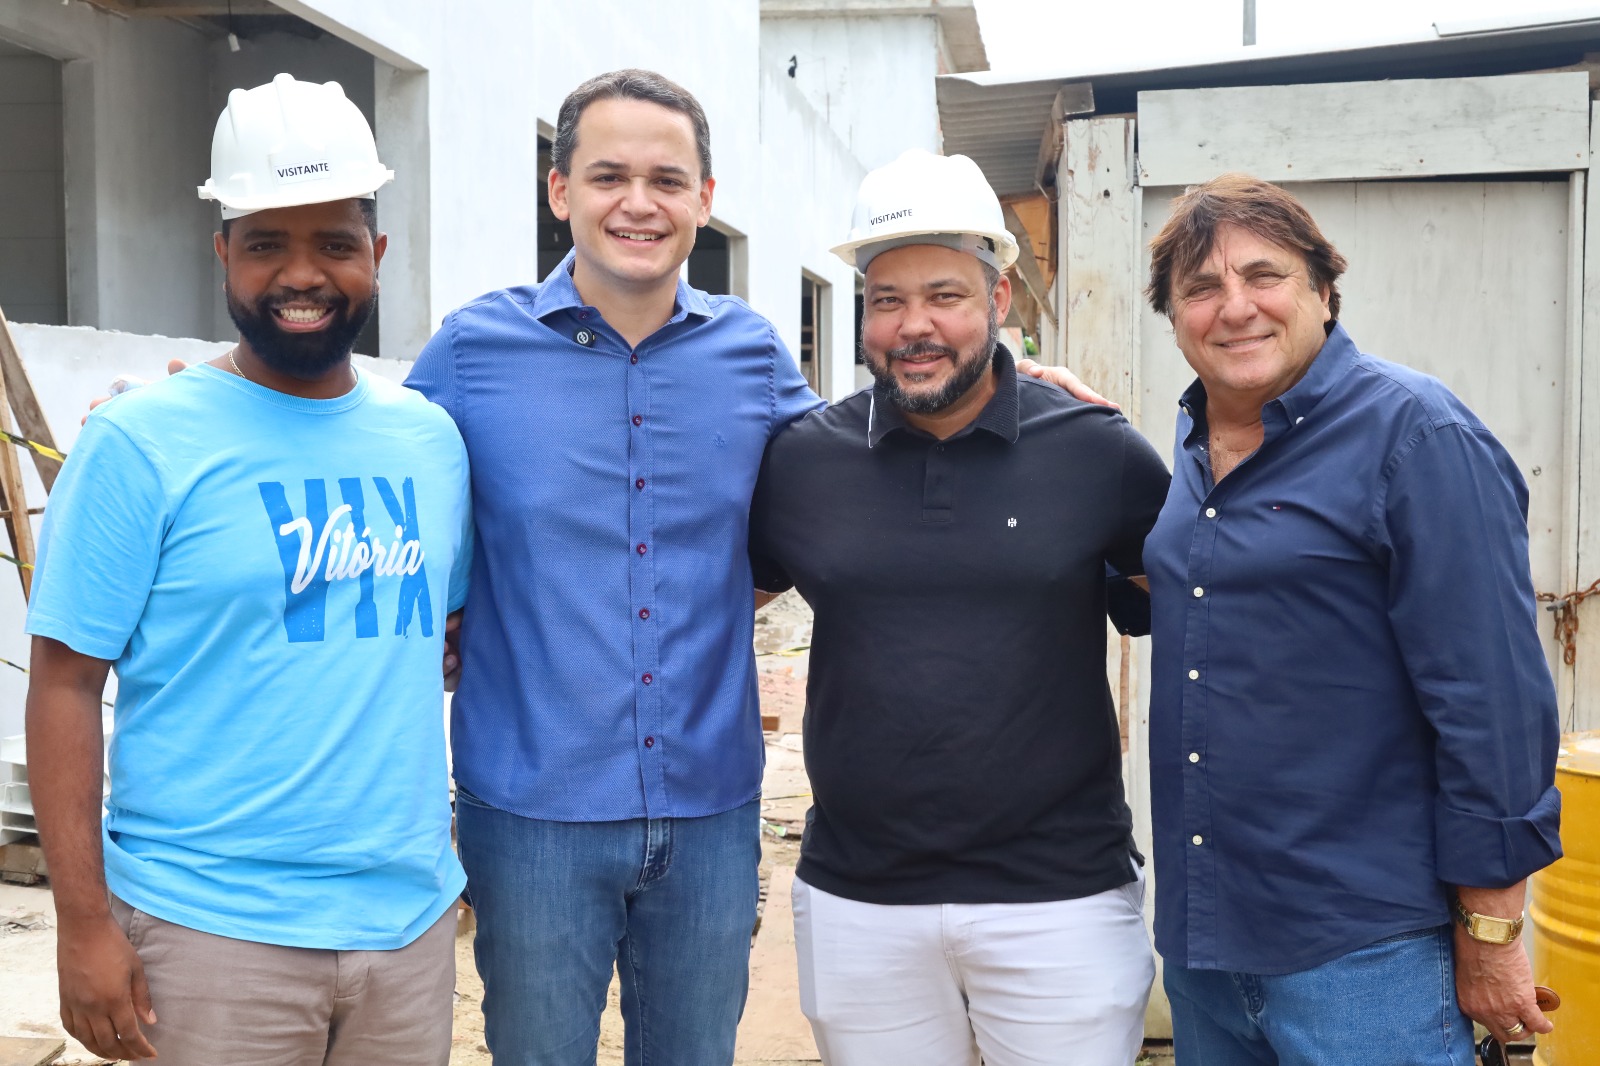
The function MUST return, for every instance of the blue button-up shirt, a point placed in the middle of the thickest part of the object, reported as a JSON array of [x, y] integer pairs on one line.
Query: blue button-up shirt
[[607, 665], [1350, 708]]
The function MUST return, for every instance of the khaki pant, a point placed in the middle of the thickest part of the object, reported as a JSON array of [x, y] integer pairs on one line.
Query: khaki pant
[[224, 1002]]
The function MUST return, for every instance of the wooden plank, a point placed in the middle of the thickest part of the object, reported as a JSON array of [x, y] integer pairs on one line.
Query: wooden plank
[[15, 503], [1519, 123], [1100, 255], [773, 1028], [1583, 712], [1027, 265], [25, 404], [30, 1050], [1571, 430]]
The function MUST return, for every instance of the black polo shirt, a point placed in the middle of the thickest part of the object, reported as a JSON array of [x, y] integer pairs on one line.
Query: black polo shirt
[[959, 730]]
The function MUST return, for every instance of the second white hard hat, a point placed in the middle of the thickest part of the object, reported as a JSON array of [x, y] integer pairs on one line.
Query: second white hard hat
[[922, 198], [289, 143]]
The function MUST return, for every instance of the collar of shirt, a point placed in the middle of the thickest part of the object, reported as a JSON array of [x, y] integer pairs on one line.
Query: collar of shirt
[[999, 415], [560, 293], [1336, 357]]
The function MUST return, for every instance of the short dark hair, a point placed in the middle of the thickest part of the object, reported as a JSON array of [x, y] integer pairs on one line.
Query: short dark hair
[[1256, 206], [369, 215], [629, 84]]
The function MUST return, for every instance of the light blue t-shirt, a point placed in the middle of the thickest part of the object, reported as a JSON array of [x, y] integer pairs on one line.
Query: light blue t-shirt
[[270, 576]]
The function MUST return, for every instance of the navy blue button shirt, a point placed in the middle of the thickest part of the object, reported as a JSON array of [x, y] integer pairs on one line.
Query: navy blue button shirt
[[607, 664], [1350, 707]]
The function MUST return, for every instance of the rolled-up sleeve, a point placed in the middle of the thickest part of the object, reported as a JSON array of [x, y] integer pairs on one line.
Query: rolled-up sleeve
[[1454, 520]]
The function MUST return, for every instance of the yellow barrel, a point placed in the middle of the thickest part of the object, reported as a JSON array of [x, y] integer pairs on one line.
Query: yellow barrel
[[1565, 912]]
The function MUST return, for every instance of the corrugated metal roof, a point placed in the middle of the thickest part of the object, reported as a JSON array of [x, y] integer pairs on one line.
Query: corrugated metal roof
[[1000, 119]]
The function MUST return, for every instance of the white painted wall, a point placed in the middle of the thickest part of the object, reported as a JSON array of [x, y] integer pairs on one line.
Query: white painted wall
[[807, 191], [871, 79]]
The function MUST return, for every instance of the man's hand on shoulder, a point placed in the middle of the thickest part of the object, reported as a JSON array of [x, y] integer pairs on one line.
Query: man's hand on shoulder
[[1494, 982], [452, 650], [1066, 379], [124, 382], [104, 997]]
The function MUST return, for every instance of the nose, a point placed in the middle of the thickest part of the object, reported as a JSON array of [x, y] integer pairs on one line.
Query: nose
[[637, 200], [302, 271], [916, 323], [1238, 302]]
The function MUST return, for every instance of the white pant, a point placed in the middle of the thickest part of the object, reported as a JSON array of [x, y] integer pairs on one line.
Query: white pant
[[1021, 984]]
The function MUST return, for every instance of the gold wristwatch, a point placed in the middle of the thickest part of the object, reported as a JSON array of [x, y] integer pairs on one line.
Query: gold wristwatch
[[1488, 928]]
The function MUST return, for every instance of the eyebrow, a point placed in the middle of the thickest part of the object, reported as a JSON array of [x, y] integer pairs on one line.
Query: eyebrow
[[609, 164], [1244, 268], [281, 234], [937, 283]]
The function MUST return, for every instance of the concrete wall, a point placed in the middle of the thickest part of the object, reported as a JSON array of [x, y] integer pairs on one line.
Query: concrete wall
[[33, 264], [871, 79], [134, 97]]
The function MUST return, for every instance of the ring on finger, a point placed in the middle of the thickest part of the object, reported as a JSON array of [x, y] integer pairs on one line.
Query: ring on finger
[[1516, 1030]]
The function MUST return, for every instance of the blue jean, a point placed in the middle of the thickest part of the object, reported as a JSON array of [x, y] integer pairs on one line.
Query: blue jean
[[671, 902], [1392, 1002]]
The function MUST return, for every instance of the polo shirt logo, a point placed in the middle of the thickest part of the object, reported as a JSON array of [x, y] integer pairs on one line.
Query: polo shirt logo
[[1012, 522]]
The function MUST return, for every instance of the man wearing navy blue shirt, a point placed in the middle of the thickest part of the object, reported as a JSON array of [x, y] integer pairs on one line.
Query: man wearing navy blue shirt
[[607, 742], [1353, 727]]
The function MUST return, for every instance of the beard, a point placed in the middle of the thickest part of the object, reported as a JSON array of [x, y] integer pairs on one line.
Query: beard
[[306, 356], [969, 368]]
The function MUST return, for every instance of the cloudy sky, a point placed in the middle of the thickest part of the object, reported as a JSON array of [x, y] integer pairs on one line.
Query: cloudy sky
[[1025, 35]]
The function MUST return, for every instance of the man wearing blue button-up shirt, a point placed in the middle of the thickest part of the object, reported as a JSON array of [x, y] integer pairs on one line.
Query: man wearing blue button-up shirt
[[1353, 727], [607, 741]]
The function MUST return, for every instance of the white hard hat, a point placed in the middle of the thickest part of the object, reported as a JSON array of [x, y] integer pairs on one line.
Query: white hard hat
[[289, 143], [922, 198]]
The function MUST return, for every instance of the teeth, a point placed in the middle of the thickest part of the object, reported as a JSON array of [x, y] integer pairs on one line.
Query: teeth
[[639, 236], [301, 314]]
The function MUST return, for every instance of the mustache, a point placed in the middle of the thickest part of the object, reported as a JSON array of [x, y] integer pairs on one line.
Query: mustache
[[273, 303], [921, 348]]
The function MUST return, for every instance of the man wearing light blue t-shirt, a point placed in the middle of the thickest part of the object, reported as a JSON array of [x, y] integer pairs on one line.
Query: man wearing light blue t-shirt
[[265, 549]]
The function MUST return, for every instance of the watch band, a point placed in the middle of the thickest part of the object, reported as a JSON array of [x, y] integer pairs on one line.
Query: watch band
[[1488, 928]]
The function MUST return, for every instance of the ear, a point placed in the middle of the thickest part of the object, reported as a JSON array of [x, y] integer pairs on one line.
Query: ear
[[219, 244], [380, 244], [1326, 293], [706, 188], [1002, 297], [558, 195]]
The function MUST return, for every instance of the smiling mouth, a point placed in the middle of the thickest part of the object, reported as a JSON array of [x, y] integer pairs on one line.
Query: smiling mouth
[[1243, 342], [302, 319], [634, 235]]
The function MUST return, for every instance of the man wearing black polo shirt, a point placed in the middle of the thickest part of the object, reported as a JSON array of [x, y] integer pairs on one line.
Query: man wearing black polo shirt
[[968, 883]]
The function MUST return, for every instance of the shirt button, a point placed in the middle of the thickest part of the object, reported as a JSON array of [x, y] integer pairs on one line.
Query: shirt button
[[644, 612], [638, 420], [649, 742], [1211, 512], [1198, 839], [639, 484], [1299, 420], [938, 447], [1194, 675], [1198, 592], [641, 549], [647, 679], [634, 358], [1194, 756]]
